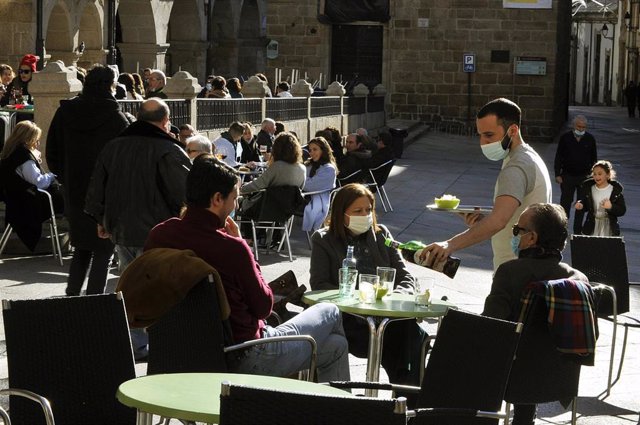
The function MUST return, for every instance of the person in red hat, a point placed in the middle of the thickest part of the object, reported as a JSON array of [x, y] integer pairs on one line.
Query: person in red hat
[[18, 90]]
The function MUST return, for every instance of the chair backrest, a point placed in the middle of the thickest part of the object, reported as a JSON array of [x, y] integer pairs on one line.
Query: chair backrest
[[603, 259], [75, 351], [469, 365], [280, 202], [381, 172], [540, 372], [246, 406], [355, 177], [191, 337]]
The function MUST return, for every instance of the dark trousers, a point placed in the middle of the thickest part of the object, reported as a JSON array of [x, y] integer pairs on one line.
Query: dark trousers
[[568, 188], [524, 414], [97, 262]]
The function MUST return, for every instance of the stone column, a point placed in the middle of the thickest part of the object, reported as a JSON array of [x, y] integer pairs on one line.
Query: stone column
[[91, 56], [303, 89], [379, 90], [142, 55], [255, 87], [70, 58], [337, 89], [190, 56], [48, 87], [184, 86], [361, 90]]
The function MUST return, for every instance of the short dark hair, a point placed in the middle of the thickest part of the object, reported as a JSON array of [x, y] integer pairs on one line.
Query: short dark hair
[[280, 128], [207, 177], [237, 128], [506, 111], [218, 83], [99, 79], [284, 86], [549, 221], [151, 113], [286, 148]]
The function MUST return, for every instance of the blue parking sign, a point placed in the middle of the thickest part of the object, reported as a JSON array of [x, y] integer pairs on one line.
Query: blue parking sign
[[469, 62]]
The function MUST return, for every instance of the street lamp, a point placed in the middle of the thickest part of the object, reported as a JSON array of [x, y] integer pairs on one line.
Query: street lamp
[[605, 30]]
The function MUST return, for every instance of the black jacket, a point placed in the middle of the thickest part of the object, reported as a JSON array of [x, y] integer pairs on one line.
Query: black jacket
[[250, 150], [26, 207], [265, 139], [139, 181], [17, 82], [618, 208], [80, 129]]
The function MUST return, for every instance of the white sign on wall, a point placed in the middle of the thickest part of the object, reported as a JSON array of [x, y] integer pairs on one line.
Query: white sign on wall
[[526, 4]]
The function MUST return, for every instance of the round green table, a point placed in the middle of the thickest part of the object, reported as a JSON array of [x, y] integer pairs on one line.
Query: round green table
[[196, 396], [390, 308]]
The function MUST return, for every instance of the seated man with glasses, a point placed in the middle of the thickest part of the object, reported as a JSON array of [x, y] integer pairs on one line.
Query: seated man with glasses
[[539, 236], [197, 145]]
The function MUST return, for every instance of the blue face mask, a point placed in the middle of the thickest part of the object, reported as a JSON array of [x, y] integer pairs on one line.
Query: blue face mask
[[515, 245], [497, 151], [578, 133]]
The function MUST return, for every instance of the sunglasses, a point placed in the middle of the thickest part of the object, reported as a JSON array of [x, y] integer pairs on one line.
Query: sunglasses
[[517, 229], [24, 71]]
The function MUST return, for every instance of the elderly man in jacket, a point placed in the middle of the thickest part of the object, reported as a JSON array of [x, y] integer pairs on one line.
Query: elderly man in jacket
[[139, 181]]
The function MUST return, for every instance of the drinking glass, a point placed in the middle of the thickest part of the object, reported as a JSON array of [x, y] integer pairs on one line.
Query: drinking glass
[[387, 277], [347, 278], [424, 287], [367, 288]]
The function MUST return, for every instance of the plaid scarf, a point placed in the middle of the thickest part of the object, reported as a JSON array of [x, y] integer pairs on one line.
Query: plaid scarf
[[571, 315]]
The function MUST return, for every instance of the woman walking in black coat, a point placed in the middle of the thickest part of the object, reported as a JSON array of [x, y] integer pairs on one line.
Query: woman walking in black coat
[[80, 129]]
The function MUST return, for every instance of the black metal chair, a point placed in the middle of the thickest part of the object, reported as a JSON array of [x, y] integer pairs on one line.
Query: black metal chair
[[541, 373], [56, 246], [276, 212], [75, 351], [246, 406], [588, 256], [194, 337], [379, 176], [467, 370], [42, 402]]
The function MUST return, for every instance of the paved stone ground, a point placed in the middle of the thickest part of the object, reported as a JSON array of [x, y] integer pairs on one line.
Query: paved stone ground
[[440, 163]]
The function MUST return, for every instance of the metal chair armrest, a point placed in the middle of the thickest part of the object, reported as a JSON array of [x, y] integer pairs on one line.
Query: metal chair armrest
[[307, 338], [374, 386], [42, 401], [460, 412]]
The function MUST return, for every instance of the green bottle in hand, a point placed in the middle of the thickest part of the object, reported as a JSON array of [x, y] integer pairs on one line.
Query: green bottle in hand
[[410, 251]]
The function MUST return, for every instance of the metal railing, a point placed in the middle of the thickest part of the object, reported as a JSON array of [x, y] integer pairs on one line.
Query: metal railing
[[213, 114], [325, 106], [218, 114], [287, 108]]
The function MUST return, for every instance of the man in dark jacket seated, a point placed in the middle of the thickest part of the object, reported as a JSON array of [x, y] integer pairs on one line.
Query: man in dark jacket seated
[[357, 156], [539, 237], [384, 152]]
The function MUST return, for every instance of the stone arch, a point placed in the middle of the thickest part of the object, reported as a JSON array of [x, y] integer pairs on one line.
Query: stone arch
[[186, 37], [90, 32], [143, 26], [59, 43], [223, 53], [251, 40]]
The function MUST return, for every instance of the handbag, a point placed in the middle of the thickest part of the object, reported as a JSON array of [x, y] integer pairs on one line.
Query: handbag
[[286, 290]]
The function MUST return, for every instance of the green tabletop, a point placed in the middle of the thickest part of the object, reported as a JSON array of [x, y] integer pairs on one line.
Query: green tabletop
[[196, 396], [393, 305]]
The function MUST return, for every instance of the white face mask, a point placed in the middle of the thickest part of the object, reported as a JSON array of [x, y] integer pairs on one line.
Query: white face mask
[[358, 224], [495, 151]]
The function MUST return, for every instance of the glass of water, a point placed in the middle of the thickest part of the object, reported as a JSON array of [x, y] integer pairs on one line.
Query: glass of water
[[367, 284]]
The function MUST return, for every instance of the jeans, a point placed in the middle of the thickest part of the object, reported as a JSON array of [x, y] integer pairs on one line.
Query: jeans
[[97, 263], [324, 323], [139, 338]]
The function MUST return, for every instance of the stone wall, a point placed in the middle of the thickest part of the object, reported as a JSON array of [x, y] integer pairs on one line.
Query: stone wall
[[422, 67], [304, 43]]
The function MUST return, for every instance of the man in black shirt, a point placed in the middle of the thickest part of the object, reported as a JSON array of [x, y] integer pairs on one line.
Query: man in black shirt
[[575, 156]]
